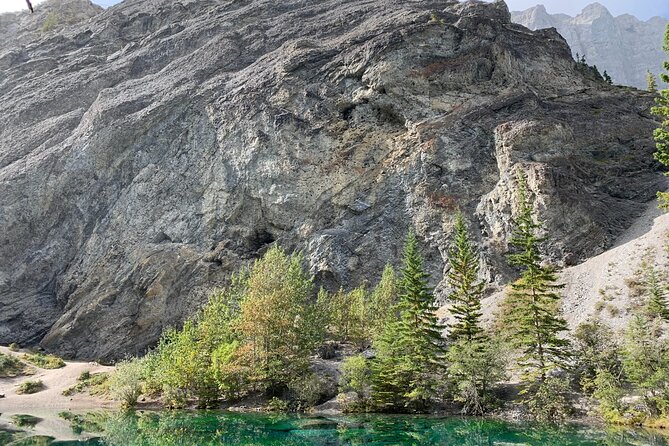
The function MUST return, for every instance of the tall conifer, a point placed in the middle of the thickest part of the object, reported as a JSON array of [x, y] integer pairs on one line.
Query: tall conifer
[[534, 315], [467, 289]]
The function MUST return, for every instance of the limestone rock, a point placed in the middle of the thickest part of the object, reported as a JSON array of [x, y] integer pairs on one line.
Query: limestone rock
[[626, 47], [148, 152]]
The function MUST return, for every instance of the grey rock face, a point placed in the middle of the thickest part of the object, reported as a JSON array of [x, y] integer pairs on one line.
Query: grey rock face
[[147, 153], [624, 46]]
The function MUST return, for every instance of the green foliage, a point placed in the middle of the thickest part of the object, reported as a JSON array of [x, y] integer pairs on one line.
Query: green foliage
[[277, 320], [44, 361], [347, 317], [357, 377], [10, 366], [590, 71], [50, 23], [277, 405], [595, 352], [661, 111], [409, 353], [608, 392], [652, 82], [306, 391], [607, 78], [475, 367], [467, 289], [94, 384], [646, 363], [533, 313], [14, 347], [653, 286], [23, 420], [28, 387], [126, 382], [382, 305], [549, 400]]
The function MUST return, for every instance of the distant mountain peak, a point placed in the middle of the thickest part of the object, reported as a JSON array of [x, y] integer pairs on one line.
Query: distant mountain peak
[[595, 11], [624, 46]]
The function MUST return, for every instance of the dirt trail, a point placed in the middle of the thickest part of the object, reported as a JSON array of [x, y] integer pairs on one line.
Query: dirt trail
[[51, 398]]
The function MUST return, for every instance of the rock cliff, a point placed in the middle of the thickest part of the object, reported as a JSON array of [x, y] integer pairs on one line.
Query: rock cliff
[[624, 46], [149, 151]]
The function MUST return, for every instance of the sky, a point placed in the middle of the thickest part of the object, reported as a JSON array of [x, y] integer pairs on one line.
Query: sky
[[644, 9]]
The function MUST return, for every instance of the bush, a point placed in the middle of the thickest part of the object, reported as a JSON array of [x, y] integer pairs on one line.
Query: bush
[[306, 391], [28, 387], [356, 377], [10, 366], [277, 405], [44, 361], [95, 384], [14, 347], [548, 401], [125, 384]]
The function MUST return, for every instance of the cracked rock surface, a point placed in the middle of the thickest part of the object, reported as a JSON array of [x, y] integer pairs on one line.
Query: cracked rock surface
[[150, 150]]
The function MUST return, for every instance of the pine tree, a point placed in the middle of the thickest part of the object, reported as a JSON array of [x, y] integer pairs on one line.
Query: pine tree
[[661, 110], [652, 82], [534, 315], [607, 78], [463, 279], [410, 354]]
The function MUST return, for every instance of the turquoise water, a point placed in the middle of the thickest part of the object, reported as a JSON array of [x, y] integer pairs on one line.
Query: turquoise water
[[221, 428]]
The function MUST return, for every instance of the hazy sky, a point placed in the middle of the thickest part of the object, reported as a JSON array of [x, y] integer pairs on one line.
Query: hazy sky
[[643, 9]]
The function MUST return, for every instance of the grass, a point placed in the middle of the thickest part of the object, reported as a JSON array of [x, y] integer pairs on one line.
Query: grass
[[30, 387], [95, 384], [44, 361], [10, 366], [21, 420]]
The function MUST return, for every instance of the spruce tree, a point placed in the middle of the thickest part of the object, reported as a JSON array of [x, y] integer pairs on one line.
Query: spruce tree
[[607, 78], [534, 315], [463, 279], [661, 110], [410, 354], [657, 291]]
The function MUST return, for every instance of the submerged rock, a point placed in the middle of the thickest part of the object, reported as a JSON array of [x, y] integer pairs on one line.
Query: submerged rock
[[147, 153]]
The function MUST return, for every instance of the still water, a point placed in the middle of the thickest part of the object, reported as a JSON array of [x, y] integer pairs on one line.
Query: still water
[[223, 428]]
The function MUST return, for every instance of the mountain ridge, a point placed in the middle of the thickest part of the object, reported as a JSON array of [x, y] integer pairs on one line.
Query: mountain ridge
[[152, 149], [625, 46]]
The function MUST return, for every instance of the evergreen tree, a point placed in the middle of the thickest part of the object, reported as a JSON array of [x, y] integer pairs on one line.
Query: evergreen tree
[[652, 82], [463, 279], [533, 301], [661, 110], [607, 78], [656, 290], [410, 354]]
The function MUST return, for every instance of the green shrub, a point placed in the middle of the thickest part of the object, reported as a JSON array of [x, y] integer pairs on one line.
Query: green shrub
[[548, 401], [50, 23], [22, 420], [10, 366], [277, 405], [14, 347], [44, 361], [94, 384], [306, 391], [125, 384], [28, 387]]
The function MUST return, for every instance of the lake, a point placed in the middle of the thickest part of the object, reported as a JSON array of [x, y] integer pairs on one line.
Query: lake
[[190, 428]]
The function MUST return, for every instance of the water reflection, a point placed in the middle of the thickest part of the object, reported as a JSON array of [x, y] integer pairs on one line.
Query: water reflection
[[221, 428]]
